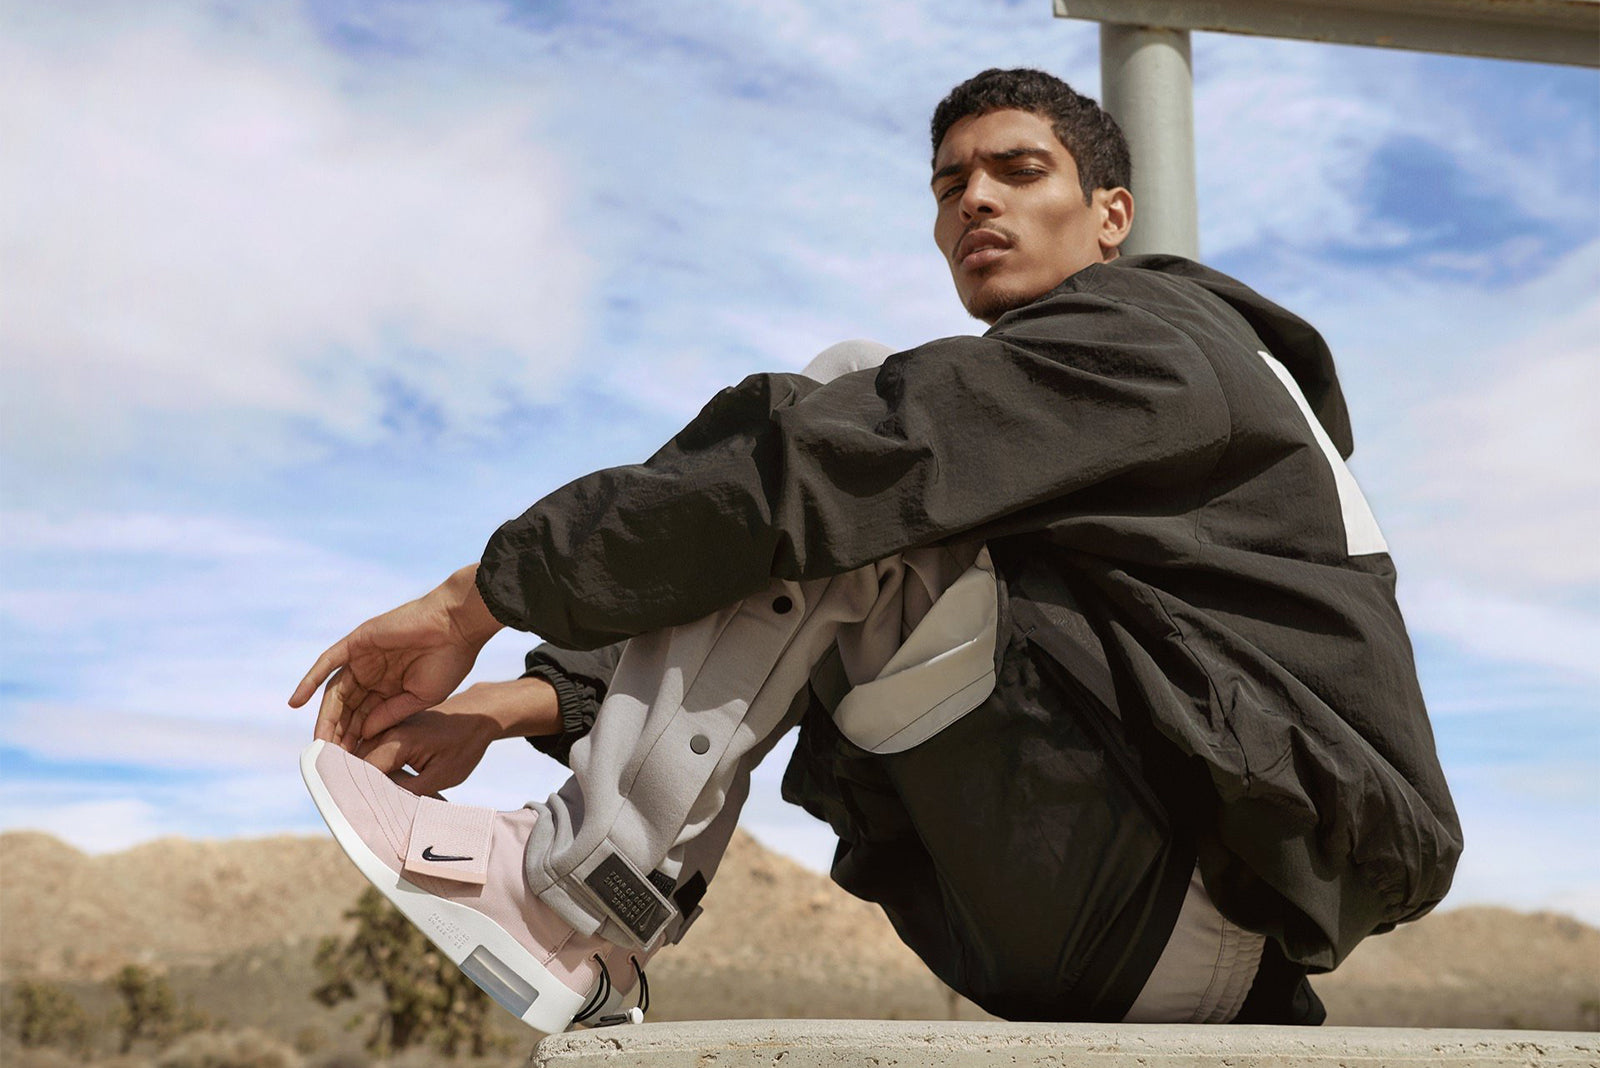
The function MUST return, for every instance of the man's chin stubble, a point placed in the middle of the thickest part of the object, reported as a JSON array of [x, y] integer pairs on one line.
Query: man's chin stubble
[[989, 306]]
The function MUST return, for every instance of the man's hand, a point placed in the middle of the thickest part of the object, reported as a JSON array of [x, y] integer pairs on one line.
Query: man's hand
[[443, 744], [399, 663]]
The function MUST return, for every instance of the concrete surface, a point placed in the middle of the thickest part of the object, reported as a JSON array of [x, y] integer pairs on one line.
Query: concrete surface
[[920, 1044]]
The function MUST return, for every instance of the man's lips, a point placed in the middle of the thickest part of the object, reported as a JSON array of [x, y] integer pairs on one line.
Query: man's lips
[[979, 248]]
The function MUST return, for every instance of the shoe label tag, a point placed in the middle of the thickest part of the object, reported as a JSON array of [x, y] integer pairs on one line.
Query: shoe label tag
[[629, 898], [450, 841]]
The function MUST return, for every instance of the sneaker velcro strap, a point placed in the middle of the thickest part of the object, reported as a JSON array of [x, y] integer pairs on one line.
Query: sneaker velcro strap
[[450, 841]]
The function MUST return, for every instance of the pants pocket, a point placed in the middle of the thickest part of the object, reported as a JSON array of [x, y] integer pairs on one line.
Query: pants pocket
[[943, 670]]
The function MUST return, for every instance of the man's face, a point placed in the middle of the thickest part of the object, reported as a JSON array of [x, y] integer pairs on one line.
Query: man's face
[[1012, 221]]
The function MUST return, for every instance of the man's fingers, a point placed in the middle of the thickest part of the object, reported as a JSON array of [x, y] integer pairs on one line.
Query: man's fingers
[[345, 704], [353, 727], [330, 712], [385, 714], [386, 753], [430, 779], [390, 752], [334, 658]]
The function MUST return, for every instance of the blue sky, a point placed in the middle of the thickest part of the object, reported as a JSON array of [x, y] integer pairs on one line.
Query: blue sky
[[299, 301]]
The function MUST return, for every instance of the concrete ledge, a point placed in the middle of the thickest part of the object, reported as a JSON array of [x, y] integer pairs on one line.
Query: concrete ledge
[[921, 1044]]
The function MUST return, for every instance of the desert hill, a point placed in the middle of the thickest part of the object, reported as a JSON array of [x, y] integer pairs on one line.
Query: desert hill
[[775, 940], [65, 914]]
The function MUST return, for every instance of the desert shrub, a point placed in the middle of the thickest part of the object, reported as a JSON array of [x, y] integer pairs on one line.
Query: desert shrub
[[149, 1009], [426, 999], [228, 1049], [342, 1059], [14, 1055], [42, 1014], [310, 1039]]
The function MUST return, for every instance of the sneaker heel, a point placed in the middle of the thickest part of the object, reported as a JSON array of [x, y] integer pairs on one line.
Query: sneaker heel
[[509, 990]]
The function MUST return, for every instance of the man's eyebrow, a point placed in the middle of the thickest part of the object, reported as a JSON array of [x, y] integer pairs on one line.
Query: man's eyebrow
[[1002, 156]]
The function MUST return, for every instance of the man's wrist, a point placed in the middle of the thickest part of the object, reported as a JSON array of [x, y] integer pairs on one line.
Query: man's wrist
[[469, 614], [524, 708]]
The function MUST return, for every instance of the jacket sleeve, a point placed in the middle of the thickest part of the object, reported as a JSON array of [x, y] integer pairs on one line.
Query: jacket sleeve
[[580, 680], [781, 476]]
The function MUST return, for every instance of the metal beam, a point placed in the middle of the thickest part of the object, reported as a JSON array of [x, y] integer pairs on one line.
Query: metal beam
[[1147, 85], [1544, 31]]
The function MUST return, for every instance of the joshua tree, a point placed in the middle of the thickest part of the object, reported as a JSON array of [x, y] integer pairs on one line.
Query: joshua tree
[[425, 997], [43, 1014], [149, 1009]]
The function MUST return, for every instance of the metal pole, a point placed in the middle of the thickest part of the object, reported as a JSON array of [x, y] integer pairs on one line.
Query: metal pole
[[1147, 84]]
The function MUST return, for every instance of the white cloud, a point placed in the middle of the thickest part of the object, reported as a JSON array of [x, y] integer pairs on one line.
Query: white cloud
[[1281, 144], [98, 826], [180, 674], [205, 214], [1525, 630], [1477, 441], [198, 617], [1525, 848], [233, 741], [1510, 459], [1562, 780], [1520, 155], [99, 816], [1288, 132], [193, 538]]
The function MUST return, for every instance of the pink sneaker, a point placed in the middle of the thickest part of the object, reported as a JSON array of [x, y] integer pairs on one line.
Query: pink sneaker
[[456, 872]]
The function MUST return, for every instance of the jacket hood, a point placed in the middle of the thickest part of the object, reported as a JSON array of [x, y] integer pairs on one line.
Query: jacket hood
[[1293, 341]]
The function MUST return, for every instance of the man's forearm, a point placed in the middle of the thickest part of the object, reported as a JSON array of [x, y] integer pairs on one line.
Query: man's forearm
[[520, 708], [469, 615]]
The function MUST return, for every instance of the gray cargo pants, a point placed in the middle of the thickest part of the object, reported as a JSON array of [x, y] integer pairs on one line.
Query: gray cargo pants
[[659, 780]]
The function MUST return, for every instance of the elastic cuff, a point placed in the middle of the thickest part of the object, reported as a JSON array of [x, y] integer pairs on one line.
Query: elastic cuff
[[480, 580], [572, 707]]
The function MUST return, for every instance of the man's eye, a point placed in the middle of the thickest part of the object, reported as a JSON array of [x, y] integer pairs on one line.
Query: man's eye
[[950, 190], [1027, 172]]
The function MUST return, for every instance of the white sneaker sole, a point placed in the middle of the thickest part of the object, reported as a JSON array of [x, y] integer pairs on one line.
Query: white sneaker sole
[[481, 948]]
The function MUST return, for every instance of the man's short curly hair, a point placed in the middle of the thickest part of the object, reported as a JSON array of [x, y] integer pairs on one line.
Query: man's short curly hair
[[1093, 137]]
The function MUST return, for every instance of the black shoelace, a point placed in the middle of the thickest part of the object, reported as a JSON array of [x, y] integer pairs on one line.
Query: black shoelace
[[603, 991], [644, 987]]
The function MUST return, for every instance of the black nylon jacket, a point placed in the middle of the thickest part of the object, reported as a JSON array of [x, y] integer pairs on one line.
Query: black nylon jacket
[[1174, 555]]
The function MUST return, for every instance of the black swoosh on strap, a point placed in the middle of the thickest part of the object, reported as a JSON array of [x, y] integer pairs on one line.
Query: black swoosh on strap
[[429, 854]]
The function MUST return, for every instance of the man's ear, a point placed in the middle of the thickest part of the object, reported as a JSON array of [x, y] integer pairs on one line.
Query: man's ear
[[1116, 219]]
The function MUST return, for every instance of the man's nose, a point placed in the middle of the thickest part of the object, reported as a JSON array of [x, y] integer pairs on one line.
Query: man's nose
[[980, 197]]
